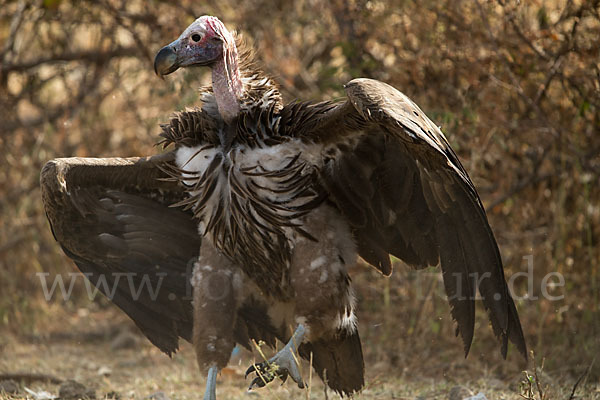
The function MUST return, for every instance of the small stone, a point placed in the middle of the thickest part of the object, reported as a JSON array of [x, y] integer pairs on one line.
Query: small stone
[[158, 396], [124, 340], [104, 371], [478, 396], [9, 386], [459, 393], [71, 389], [496, 384], [41, 395]]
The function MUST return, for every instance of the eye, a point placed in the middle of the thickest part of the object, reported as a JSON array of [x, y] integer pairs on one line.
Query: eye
[[196, 37]]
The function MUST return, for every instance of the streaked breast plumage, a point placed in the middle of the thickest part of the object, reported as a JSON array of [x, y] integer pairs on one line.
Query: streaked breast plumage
[[250, 201]]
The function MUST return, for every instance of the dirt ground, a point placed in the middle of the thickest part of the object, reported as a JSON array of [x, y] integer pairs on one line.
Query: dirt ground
[[103, 351]]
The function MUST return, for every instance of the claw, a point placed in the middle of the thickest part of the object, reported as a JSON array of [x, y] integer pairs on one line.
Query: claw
[[261, 369], [257, 382], [250, 370], [266, 373], [284, 375]]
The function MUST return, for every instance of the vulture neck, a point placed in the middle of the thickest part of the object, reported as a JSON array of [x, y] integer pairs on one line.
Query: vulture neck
[[227, 83]]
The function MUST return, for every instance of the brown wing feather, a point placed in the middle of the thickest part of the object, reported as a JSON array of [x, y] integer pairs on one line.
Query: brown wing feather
[[111, 216], [405, 193]]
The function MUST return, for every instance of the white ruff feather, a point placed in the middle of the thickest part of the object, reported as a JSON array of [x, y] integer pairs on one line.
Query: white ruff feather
[[194, 162]]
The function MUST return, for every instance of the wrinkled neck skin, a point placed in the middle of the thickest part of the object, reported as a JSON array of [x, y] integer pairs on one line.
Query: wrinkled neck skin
[[227, 84]]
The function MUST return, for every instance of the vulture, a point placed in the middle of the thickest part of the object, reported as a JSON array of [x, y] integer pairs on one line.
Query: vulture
[[245, 227]]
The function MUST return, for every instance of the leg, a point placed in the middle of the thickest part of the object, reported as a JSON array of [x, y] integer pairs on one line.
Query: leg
[[324, 301], [216, 283], [211, 384]]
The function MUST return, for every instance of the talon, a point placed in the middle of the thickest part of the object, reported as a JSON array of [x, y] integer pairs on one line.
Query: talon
[[259, 381], [250, 370], [256, 382], [260, 369], [283, 376], [264, 375]]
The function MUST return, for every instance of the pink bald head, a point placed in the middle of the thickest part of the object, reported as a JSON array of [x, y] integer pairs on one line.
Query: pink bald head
[[207, 42]]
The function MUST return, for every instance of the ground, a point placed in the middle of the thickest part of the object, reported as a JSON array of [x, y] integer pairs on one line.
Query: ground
[[103, 351]]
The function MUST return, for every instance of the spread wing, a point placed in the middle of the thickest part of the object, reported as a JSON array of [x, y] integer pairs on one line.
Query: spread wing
[[112, 217], [393, 175]]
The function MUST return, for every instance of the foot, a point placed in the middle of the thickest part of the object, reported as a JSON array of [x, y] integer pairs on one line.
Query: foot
[[211, 385], [281, 365]]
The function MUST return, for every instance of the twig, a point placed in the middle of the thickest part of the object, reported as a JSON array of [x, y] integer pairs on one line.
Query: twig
[[308, 389], [537, 379], [13, 242], [528, 181], [553, 72], [515, 82], [539, 51], [528, 389], [91, 56], [580, 379], [118, 15], [14, 27]]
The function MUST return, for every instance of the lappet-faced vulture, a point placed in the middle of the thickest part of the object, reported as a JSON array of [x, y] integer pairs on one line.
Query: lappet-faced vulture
[[270, 203]]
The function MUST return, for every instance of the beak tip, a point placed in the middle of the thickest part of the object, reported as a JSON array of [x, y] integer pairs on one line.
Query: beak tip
[[165, 62], [161, 76]]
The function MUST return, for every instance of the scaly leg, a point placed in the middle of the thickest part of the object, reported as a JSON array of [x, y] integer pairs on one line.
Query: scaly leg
[[211, 384], [282, 364]]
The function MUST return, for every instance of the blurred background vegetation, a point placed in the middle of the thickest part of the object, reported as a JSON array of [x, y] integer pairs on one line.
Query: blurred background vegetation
[[515, 86]]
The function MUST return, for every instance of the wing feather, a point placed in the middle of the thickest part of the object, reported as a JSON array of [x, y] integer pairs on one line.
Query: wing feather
[[112, 217], [405, 193]]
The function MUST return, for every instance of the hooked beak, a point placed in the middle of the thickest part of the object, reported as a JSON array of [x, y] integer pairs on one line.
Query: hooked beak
[[166, 61]]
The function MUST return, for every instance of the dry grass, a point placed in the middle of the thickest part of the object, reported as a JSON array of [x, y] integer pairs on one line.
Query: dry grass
[[82, 350]]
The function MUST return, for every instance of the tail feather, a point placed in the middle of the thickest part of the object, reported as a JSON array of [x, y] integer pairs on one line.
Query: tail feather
[[338, 361]]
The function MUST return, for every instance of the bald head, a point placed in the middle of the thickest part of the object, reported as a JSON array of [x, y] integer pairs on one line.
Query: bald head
[[203, 43], [207, 42]]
